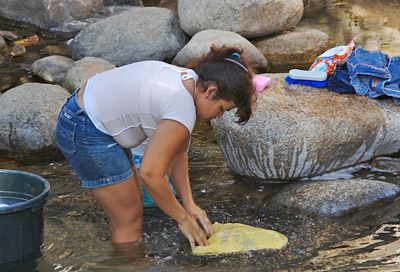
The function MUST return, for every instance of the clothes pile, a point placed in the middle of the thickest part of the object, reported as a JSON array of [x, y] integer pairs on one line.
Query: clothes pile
[[370, 73]]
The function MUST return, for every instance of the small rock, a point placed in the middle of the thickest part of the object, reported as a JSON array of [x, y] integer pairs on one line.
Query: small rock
[[333, 198], [84, 69], [53, 50], [386, 163], [52, 69]]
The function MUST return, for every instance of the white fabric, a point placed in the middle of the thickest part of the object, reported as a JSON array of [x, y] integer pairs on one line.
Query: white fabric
[[130, 101], [89, 106]]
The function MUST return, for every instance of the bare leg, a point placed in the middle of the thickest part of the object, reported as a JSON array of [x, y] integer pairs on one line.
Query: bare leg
[[123, 204]]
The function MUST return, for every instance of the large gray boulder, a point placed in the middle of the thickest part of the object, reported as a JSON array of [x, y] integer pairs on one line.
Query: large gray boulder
[[134, 35], [62, 15], [28, 117], [298, 131], [249, 18], [333, 198], [201, 42]]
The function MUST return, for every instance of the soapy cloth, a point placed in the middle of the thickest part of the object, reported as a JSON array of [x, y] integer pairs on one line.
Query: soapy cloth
[[236, 237], [370, 73]]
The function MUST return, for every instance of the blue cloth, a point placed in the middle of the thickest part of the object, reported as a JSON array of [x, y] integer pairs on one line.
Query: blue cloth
[[340, 81], [370, 73]]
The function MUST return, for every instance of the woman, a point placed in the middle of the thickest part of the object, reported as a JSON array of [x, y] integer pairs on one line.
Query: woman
[[118, 109]]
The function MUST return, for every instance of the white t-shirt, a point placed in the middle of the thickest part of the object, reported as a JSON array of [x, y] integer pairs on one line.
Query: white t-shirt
[[130, 101]]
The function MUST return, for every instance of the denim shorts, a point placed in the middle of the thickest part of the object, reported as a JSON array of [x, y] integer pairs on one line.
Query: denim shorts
[[94, 155]]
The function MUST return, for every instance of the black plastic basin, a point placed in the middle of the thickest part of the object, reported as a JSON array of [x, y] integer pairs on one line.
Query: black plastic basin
[[22, 198]]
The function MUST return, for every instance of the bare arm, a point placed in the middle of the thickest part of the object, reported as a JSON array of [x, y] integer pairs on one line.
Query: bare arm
[[166, 142], [179, 175]]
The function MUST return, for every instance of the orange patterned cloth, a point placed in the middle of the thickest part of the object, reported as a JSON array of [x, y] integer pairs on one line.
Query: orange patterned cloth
[[329, 59]]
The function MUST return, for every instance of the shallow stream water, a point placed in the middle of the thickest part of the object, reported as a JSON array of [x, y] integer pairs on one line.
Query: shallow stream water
[[76, 235]]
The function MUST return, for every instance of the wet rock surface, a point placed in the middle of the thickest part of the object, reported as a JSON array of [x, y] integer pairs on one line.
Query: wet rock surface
[[386, 164], [52, 69], [298, 131], [334, 197]]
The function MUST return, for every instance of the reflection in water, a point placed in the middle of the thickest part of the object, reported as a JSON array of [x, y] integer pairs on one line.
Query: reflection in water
[[376, 24], [379, 251]]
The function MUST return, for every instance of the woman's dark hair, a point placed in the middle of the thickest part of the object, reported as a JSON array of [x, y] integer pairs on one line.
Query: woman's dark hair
[[226, 68]]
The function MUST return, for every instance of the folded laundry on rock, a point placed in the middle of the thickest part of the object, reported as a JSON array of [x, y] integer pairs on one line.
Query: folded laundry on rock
[[236, 237], [370, 73]]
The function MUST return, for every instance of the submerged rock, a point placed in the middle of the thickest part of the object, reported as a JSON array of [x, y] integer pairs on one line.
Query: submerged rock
[[52, 69], [298, 131], [53, 50], [386, 164], [334, 197], [28, 117]]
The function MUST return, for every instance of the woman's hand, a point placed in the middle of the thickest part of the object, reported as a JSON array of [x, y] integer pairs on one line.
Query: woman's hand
[[193, 232], [198, 214]]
